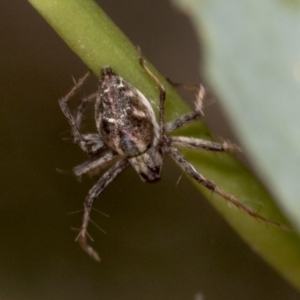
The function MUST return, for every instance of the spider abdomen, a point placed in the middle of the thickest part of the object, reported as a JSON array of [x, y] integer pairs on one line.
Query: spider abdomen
[[124, 118]]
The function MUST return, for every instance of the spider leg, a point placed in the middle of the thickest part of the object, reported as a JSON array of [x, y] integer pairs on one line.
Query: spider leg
[[78, 138], [94, 143], [92, 195], [190, 142], [194, 115], [93, 164], [162, 98], [82, 107], [187, 86], [187, 167]]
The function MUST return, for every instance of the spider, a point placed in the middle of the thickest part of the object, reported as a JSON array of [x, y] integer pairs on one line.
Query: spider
[[129, 134]]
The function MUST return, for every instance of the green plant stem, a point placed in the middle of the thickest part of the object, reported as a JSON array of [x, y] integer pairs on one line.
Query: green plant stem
[[98, 42]]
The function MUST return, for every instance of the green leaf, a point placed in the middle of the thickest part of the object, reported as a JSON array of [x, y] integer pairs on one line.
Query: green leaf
[[252, 61], [98, 42]]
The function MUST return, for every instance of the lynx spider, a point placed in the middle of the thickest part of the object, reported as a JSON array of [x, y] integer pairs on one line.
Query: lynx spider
[[129, 133]]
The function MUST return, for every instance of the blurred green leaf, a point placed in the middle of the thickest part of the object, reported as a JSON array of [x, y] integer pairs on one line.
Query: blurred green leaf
[[252, 61]]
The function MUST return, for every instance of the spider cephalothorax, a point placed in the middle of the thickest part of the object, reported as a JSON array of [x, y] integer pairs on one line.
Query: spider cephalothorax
[[128, 133]]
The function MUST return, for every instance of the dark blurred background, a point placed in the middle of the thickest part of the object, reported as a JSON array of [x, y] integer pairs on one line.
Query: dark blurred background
[[163, 241]]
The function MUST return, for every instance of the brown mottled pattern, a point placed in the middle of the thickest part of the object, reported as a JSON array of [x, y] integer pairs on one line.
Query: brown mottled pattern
[[123, 120]]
